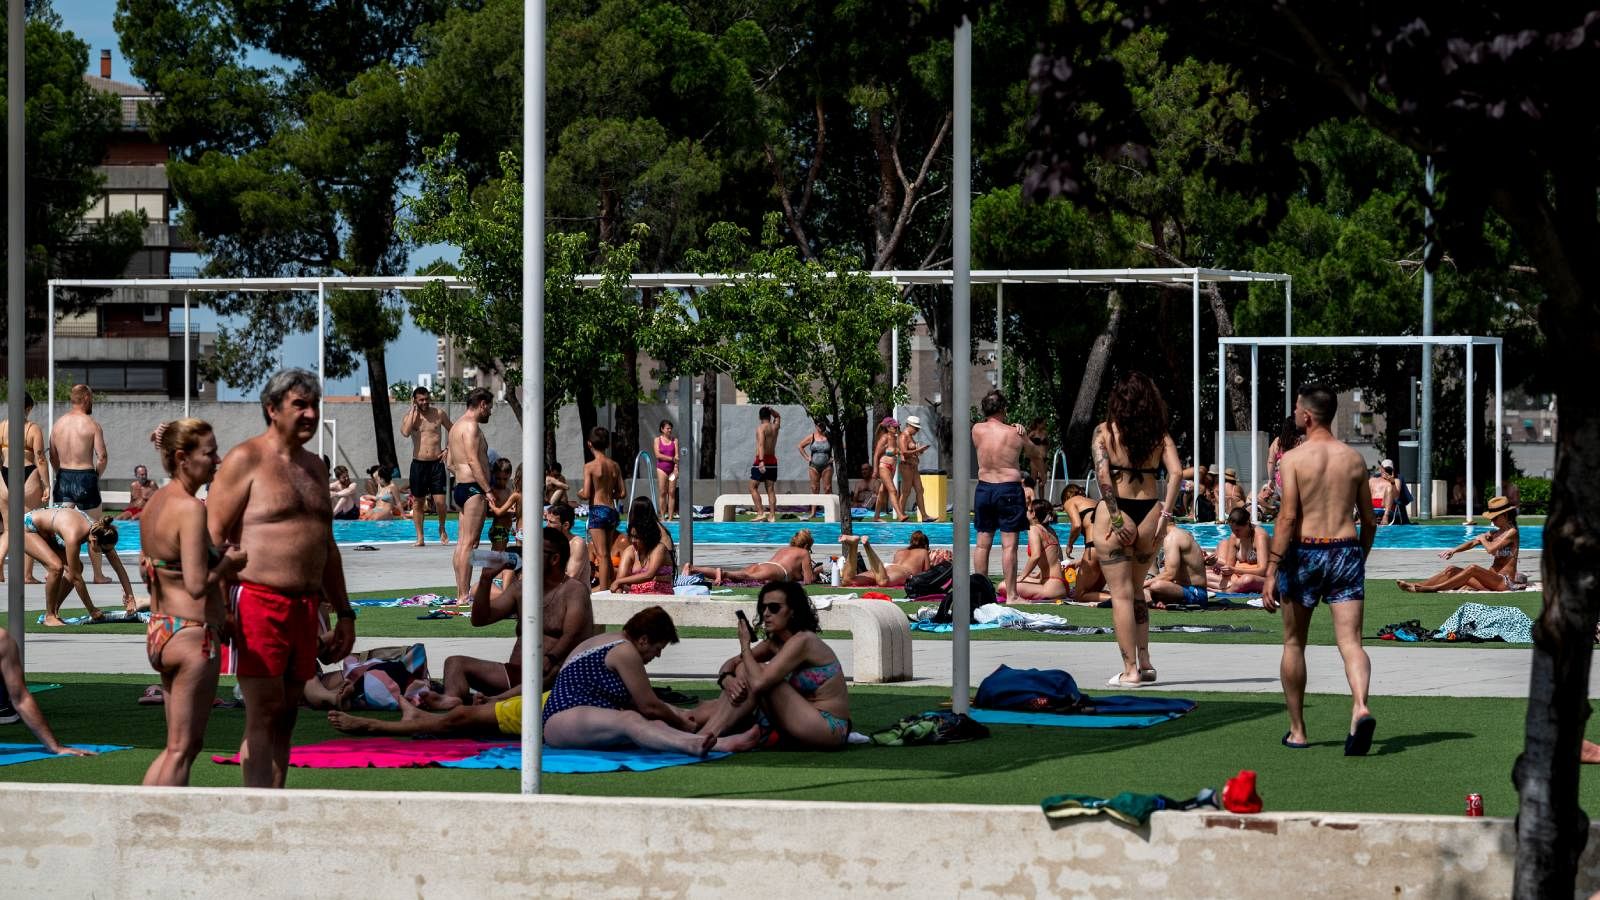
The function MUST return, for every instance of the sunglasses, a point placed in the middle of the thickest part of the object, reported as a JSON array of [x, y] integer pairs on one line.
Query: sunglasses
[[773, 608]]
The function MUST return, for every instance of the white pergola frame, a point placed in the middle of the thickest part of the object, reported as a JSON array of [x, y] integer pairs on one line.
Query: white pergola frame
[[1427, 343]]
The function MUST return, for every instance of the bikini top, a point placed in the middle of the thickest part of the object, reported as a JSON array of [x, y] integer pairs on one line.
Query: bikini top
[[1137, 472], [809, 680]]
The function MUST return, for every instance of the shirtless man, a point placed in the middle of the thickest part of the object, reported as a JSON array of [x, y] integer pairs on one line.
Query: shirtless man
[[579, 566], [471, 464], [140, 490], [1384, 497], [1316, 556], [602, 485], [426, 425], [78, 456], [1182, 579], [999, 501], [34, 479], [765, 469], [568, 621], [270, 498]]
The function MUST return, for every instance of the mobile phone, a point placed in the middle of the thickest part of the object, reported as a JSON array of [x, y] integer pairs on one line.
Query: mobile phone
[[746, 620]]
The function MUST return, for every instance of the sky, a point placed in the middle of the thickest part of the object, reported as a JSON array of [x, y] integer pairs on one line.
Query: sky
[[412, 353]]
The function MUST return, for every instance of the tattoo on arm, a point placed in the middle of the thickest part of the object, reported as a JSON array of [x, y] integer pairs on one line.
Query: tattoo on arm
[[1102, 468]]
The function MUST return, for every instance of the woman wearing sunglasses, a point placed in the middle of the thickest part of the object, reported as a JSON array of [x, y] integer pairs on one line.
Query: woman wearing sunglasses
[[790, 683]]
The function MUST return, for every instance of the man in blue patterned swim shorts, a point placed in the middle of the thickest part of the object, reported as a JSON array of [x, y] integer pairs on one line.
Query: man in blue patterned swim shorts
[[1317, 556]]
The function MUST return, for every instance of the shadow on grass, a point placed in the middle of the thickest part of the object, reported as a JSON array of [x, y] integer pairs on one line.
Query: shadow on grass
[[1402, 742]]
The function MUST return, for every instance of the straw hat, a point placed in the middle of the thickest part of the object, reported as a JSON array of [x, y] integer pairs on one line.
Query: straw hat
[[913, 422], [1230, 475], [1497, 506]]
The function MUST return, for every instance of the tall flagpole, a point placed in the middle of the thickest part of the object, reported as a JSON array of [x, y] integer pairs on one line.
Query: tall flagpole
[[532, 379], [16, 312], [961, 357]]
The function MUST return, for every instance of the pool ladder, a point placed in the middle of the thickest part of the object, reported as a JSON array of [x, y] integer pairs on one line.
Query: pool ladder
[[650, 481]]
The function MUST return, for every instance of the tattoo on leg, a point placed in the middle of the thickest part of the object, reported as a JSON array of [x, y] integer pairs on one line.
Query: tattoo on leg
[[1141, 611]]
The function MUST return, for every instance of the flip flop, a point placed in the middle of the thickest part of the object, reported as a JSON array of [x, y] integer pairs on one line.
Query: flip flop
[[1292, 745], [1117, 682], [1360, 740]]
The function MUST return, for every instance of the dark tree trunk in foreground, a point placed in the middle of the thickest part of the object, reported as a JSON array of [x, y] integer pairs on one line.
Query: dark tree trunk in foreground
[[707, 446], [1238, 400], [1081, 425], [382, 419], [588, 418], [841, 481]]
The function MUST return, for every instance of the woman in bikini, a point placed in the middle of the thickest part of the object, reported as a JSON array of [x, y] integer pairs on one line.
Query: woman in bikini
[[1078, 509], [33, 479], [646, 564], [55, 536], [884, 450], [791, 563], [502, 504], [818, 456], [1502, 544], [183, 640], [790, 683], [667, 468], [1042, 578], [385, 505], [913, 560], [1240, 564], [1131, 448]]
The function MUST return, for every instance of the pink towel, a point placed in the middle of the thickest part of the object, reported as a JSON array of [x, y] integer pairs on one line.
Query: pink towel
[[379, 753]]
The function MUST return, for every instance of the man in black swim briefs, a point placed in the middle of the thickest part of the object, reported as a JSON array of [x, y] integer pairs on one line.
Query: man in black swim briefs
[[469, 457]]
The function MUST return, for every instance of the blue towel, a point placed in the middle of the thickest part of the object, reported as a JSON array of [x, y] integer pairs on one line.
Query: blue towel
[[947, 628], [11, 754], [1132, 705], [1056, 720], [569, 762]]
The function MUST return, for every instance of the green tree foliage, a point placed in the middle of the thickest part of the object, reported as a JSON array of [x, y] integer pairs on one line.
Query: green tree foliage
[[789, 330], [69, 127], [290, 170]]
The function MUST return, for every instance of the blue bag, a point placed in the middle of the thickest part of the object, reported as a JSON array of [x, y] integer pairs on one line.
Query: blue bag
[[1029, 689]]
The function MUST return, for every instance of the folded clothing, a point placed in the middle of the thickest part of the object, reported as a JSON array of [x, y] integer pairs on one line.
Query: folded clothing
[[11, 754]]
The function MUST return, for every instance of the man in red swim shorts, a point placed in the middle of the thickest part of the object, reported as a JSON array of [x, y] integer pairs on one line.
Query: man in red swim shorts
[[271, 498]]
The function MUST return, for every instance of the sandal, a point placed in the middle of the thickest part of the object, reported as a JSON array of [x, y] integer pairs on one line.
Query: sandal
[[1117, 682], [153, 696]]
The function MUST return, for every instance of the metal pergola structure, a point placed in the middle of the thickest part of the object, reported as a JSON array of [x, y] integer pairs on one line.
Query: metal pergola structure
[[1468, 342]]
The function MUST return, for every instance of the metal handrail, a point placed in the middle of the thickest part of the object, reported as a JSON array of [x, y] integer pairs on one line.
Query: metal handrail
[[1066, 473], [633, 480]]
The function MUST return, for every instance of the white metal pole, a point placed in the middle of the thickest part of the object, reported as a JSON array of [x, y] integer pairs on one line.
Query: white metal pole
[[1288, 353], [1222, 453], [999, 336], [686, 469], [333, 427], [50, 358], [186, 365], [322, 353], [1194, 379], [16, 314], [1255, 427], [1425, 430], [894, 358], [533, 87], [1499, 419], [961, 353], [1468, 350]]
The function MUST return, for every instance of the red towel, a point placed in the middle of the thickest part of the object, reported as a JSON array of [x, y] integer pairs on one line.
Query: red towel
[[379, 753]]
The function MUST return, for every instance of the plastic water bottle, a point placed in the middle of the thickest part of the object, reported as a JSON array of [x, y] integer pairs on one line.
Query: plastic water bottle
[[503, 558], [834, 578]]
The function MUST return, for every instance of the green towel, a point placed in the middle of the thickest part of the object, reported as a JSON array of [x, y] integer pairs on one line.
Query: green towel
[[1126, 807]]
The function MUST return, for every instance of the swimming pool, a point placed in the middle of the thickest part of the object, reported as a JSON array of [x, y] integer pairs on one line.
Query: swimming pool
[[888, 534]]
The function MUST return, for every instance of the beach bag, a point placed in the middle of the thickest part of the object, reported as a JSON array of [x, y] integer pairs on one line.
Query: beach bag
[[939, 727], [936, 580], [982, 594], [1030, 690]]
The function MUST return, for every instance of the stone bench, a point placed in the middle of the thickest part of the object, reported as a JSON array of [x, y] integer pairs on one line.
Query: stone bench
[[880, 634], [117, 498], [725, 504]]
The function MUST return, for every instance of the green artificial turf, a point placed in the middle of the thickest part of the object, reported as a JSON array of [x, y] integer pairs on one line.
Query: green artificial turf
[[1429, 753]]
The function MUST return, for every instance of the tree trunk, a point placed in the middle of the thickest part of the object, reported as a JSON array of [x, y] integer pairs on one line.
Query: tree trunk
[[1551, 828], [514, 400], [708, 426], [1082, 423], [841, 483], [382, 420], [1238, 401], [588, 415], [625, 436]]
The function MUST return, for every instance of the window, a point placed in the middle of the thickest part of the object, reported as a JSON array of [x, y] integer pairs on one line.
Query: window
[[146, 378], [107, 379]]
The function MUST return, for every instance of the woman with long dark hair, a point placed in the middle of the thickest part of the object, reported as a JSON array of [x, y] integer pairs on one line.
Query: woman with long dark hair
[[1271, 495], [646, 565], [1131, 448]]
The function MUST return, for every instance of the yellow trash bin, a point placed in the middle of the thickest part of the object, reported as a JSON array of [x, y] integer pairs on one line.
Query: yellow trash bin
[[936, 488]]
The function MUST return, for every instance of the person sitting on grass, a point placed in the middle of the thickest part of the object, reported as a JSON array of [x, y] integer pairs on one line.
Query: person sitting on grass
[[16, 697], [601, 699], [1182, 580], [790, 684], [1241, 559], [791, 563], [1088, 586], [646, 564], [1042, 578], [56, 536], [1502, 545], [568, 619], [913, 560]]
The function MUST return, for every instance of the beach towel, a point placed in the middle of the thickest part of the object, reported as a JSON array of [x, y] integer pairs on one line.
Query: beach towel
[[377, 753], [120, 617], [1065, 720], [41, 688], [11, 754], [1475, 622], [574, 762], [1135, 705], [946, 628], [1127, 807], [413, 600]]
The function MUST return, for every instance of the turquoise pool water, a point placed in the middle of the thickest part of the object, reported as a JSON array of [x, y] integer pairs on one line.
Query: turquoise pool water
[[889, 534]]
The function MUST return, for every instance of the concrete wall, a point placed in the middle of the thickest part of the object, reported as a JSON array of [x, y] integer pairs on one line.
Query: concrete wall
[[82, 841]]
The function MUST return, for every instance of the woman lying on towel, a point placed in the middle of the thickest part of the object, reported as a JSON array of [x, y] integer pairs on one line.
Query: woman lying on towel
[[1042, 578], [791, 563], [1502, 545], [1240, 563], [913, 560], [790, 684], [601, 698]]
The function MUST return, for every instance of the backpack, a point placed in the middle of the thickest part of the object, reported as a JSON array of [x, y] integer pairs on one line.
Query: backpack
[[936, 580], [1030, 690], [982, 595]]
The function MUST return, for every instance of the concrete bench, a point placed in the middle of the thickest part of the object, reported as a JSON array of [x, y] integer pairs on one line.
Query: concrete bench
[[725, 504], [116, 498], [879, 632]]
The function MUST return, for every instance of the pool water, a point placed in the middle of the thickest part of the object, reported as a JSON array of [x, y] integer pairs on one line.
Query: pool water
[[889, 534]]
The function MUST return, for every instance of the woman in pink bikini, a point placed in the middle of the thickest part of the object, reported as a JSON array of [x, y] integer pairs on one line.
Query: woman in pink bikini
[[667, 469], [646, 565]]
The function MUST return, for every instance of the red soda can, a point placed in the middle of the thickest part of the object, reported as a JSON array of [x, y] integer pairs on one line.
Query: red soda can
[[1474, 804]]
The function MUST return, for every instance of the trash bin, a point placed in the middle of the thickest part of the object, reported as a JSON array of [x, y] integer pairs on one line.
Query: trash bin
[[936, 487]]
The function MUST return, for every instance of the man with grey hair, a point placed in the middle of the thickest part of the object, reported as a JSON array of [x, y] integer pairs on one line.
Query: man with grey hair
[[270, 498]]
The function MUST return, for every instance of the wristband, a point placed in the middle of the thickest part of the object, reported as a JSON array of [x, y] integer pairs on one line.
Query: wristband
[[344, 614], [722, 677]]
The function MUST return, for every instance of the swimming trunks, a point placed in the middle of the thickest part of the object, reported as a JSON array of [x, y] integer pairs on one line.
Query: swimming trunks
[[428, 477], [277, 634], [604, 517], [163, 628], [1195, 595], [466, 490], [80, 487], [767, 473], [27, 473], [1000, 507], [353, 512], [586, 681], [1331, 570]]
